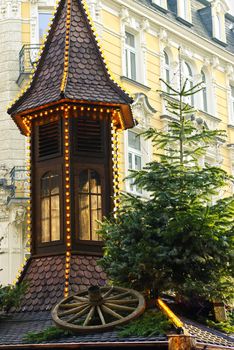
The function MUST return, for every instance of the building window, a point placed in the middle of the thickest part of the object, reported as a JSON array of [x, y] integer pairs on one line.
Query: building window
[[188, 74], [134, 158], [204, 105], [167, 74], [44, 18], [232, 104], [89, 204], [184, 10], [218, 21], [161, 3], [50, 208], [130, 56]]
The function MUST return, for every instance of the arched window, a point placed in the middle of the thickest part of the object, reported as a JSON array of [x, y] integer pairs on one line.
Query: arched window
[[188, 74], [50, 208], [167, 74], [204, 105], [89, 204]]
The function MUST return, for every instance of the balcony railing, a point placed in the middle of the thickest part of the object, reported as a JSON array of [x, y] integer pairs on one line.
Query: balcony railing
[[27, 58], [19, 184]]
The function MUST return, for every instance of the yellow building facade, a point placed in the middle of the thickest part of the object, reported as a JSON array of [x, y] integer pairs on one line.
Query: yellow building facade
[[145, 41]]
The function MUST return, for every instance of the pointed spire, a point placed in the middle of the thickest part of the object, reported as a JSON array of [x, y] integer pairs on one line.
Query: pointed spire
[[71, 65]]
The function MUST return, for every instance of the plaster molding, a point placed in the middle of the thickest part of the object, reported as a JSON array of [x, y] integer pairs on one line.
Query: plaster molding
[[10, 9], [230, 71], [142, 110]]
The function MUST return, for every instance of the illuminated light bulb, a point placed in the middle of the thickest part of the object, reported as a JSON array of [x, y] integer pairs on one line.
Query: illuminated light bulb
[[68, 215], [66, 283], [68, 207], [68, 229], [66, 144], [69, 237], [68, 253], [67, 186]]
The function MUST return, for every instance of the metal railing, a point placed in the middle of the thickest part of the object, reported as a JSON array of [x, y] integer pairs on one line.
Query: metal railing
[[19, 188], [28, 56]]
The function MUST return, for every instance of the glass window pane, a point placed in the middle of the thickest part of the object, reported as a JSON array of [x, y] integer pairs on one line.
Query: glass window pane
[[126, 61], [84, 181], [133, 65], [54, 184], [84, 217], [232, 91], [45, 220], [55, 219], [130, 161], [45, 186], [95, 182], [130, 39], [96, 214], [137, 162], [187, 70], [134, 140], [166, 58], [44, 19]]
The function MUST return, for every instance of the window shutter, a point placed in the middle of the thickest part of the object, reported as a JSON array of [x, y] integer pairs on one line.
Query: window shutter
[[49, 139], [88, 137]]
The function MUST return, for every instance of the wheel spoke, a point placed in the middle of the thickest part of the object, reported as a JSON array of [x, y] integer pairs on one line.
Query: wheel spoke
[[111, 312], [122, 301], [72, 311], [89, 316], [71, 306], [80, 298], [81, 313], [119, 307], [108, 293], [119, 296], [101, 315]]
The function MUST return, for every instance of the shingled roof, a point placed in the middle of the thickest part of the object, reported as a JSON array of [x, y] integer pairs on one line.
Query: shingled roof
[[71, 65]]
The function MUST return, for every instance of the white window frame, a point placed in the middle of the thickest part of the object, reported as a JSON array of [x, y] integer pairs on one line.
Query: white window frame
[[232, 104], [166, 69], [128, 51], [218, 21], [184, 10], [190, 76], [161, 3], [144, 154], [204, 93]]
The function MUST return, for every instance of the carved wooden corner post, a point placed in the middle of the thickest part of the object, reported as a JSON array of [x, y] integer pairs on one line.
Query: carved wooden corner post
[[182, 342]]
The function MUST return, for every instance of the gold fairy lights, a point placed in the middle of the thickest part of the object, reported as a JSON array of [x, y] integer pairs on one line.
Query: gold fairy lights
[[92, 26], [115, 165], [67, 200], [67, 43], [35, 65]]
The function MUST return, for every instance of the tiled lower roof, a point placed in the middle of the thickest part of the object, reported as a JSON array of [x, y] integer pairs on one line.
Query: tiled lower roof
[[15, 326], [208, 335]]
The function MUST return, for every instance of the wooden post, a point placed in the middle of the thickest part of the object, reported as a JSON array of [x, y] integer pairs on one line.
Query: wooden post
[[182, 342], [220, 311]]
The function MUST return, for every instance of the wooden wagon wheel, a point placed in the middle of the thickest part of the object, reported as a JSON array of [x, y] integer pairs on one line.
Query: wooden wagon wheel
[[98, 309]]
